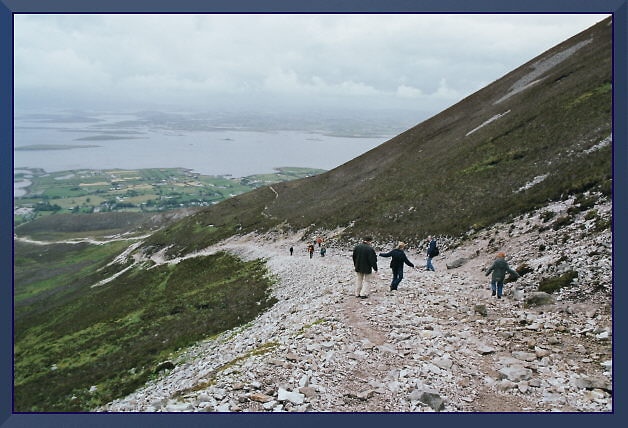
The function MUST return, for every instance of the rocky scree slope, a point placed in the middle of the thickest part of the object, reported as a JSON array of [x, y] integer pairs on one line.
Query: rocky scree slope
[[440, 343]]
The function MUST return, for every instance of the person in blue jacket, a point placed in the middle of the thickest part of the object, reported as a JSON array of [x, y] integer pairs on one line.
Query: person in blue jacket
[[399, 258], [432, 251]]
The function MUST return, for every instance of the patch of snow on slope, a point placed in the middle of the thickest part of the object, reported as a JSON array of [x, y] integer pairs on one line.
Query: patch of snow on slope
[[497, 116], [534, 182], [605, 142]]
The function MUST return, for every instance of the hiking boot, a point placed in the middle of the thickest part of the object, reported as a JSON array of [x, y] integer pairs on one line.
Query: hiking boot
[[493, 293], [364, 297], [499, 297]]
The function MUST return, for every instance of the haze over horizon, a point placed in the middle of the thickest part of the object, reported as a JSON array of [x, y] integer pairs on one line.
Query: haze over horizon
[[417, 63]]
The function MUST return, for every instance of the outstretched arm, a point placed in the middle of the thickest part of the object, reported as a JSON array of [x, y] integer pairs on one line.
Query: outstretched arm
[[513, 273], [488, 272], [406, 261]]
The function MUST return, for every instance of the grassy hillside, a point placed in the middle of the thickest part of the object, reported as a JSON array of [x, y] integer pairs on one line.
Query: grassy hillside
[[113, 336], [468, 166]]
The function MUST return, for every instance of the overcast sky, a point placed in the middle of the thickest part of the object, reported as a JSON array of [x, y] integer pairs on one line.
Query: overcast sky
[[416, 62]]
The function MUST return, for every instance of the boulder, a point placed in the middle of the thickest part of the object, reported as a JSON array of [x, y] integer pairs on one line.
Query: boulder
[[515, 374], [525, 356], [178, 407], [443, 363], [456, 263], [593, 383], [485, 349], [539, 298], [554, 284], [433, 400], [259, 397], [308, 391], [291, 396], [480, 309], [166, 365]]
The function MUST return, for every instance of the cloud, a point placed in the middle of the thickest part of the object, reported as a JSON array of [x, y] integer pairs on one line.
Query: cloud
[[404, 91], [394, 59]]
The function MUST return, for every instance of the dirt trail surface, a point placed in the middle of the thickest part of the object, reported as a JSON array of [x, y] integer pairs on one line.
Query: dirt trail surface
[[439, 343]]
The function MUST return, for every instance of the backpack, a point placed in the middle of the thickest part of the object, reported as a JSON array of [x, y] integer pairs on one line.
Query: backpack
[[435, 252]]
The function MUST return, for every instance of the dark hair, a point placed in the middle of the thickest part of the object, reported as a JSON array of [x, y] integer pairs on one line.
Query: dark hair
[[368, 239]]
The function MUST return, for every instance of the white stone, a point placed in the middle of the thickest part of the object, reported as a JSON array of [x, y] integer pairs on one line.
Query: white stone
[[515, 374], [291, 396], [525, 356]]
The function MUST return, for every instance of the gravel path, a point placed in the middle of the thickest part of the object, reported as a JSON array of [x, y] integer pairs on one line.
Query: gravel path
[[440, 343]]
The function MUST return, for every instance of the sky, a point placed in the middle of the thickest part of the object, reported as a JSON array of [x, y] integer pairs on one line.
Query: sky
[[413, 62]]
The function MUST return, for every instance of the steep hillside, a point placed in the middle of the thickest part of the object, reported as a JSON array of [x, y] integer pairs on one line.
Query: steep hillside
[[539, 133]]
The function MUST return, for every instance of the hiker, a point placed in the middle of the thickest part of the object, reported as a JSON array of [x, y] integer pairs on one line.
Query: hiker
[[396, 264], [291, 250], [432, 251], [499, 269], [365, 262], [323, 251], [319, 240], [310, 249]]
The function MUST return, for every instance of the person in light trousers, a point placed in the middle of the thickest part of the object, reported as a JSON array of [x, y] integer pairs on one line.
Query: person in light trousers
[[365, 263]]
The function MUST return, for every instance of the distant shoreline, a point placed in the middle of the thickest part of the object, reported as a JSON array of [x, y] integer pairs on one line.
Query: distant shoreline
[[36, 147], [106, 138]]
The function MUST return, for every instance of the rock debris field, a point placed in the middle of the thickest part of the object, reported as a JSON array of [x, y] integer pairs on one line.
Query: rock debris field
[[439, 343]]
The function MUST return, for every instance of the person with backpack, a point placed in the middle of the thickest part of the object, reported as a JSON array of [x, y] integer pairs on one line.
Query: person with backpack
[[323, 251], [432, 251], [291, 250], [310, 249], [365, 262], [499, 269], [399, 258]]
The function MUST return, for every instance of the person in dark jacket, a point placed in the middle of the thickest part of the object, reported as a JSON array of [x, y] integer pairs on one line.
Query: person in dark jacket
[[399, 258], [499, 269], [291, 250], [365, 262], [432, 251]]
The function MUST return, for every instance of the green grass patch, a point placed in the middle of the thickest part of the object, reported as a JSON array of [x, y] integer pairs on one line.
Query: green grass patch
[[605, 88], [113, 336]]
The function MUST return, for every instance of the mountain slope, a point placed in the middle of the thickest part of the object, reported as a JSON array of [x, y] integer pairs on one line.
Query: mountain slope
[[537, 134]]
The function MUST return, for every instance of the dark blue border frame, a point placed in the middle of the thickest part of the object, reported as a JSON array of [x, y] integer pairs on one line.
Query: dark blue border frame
[[619, 9]]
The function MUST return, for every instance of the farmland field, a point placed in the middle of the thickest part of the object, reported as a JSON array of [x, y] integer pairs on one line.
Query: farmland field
[[140, 190]]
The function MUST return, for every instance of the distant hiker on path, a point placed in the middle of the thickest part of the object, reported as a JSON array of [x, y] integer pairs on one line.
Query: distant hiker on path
[[432, 251], [499, 269], [310, 249], [291, 250], [319, 240], [323, 251], [365, 262], [396, 264]]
